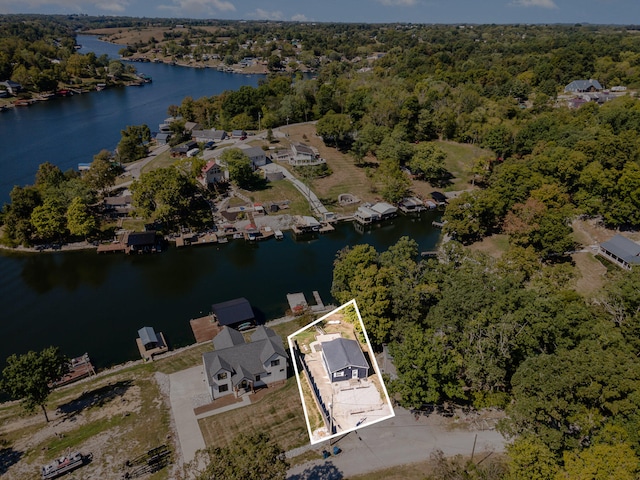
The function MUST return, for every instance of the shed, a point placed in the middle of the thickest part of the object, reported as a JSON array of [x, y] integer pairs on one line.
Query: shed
[[344, 360], [148, 337], [621, 251], [233, 312]]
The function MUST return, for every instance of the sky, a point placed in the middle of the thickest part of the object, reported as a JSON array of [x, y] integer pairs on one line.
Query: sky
[[622, 12]]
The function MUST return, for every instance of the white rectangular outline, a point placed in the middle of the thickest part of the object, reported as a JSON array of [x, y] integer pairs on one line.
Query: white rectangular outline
[[373, 361]]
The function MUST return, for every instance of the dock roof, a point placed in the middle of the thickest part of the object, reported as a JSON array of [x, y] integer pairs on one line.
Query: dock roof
[[147, 335], [233, 311]]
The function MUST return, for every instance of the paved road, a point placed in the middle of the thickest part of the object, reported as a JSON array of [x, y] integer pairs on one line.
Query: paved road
[[397, 441]]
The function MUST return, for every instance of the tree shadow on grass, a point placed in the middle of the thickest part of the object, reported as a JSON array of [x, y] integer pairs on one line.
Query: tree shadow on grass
[[8, 458], [94, 398], [326, 471]]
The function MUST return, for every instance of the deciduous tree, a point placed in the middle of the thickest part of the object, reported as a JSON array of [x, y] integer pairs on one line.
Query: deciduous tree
[[29, 377]]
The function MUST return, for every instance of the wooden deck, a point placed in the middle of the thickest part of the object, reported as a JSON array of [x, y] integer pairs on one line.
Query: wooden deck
[[204, 328], [112, 247], [80, 367], [191, 240]]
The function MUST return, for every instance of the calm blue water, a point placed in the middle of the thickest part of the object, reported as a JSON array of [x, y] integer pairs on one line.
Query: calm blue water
[[68, 131], [84, 302]]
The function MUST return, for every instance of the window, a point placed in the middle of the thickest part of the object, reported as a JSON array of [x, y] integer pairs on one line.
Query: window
[[257, 378], [222, 376], [339, 374], [223, 388], [275, 363]]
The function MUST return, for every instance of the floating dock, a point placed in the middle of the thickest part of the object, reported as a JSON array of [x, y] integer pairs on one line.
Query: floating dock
[[79, 368]]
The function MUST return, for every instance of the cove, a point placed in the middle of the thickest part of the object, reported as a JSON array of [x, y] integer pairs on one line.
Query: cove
[[84, 302]]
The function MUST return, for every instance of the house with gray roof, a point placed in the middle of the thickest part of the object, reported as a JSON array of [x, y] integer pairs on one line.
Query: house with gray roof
[[240, 367], [256, 155], [621, 251], [344, 360], [581, 86]]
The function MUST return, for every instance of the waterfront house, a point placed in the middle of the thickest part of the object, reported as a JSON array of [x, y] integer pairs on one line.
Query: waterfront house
[[256, 155], [439, 198], [209, 135], [621, 251], [163, 138], [239, 367], [118, 206], [344, 360], [12, 87], [368, 213], [141, 242], [233, 313]]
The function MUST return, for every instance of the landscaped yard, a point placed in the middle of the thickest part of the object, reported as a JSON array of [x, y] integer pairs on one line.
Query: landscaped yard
[[279, 191]]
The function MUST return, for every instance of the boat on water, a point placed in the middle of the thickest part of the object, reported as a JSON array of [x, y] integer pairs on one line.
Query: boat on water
[[65, 464]]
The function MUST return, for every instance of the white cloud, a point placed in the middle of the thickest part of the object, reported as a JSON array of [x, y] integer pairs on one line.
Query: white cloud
[[398, 3], [185, 8], [261, 14], [72, 5], [299, 18], [535, 3]]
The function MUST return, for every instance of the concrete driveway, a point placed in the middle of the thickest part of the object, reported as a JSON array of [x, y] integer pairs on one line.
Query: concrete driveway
[[187, 388], [397, 441]]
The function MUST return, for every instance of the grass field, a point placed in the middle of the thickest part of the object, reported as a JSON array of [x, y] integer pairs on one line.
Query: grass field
[[279, 413], [280, 191]]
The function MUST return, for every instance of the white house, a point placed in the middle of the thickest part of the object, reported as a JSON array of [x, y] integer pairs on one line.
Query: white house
[[304, 155], [211, 173]]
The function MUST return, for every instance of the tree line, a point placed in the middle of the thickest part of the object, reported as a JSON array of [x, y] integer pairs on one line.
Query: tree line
[[510, 333]]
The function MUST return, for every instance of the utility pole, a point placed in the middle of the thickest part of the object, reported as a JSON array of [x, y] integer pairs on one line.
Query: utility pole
[[259, 115]]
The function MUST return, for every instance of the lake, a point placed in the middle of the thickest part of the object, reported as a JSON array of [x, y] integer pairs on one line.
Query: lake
[[84, 302]]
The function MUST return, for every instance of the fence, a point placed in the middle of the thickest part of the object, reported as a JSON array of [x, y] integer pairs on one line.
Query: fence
[[315, 390]]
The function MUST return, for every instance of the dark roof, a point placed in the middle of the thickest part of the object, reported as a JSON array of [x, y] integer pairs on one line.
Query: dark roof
[[438, 197], [233, 311], [342, 353], [228, 337], [147, 335], [135, 239], [623, 248], [244, 360]]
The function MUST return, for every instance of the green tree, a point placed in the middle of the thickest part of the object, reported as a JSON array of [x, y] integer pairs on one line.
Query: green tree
[[48, 220], [248, 457], [601, 462], [530, 459], [165, 195], [103, 172], [133, 143], [429, 368], [335, 128], [80, 220], [427, 163], [240, 170], [29, 377]]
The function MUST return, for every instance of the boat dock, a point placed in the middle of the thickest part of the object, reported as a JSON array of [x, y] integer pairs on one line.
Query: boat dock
[[186, 240], [298, 302], [204, 328], [151, 343], [79, 368]]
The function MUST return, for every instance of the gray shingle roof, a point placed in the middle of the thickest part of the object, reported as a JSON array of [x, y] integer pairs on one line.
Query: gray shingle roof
[[342, 353], [228, 337], [582, 85], [623, 248], [244, 360]]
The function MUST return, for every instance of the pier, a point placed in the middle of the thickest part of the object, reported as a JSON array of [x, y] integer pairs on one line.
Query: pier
[[79, 368]]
